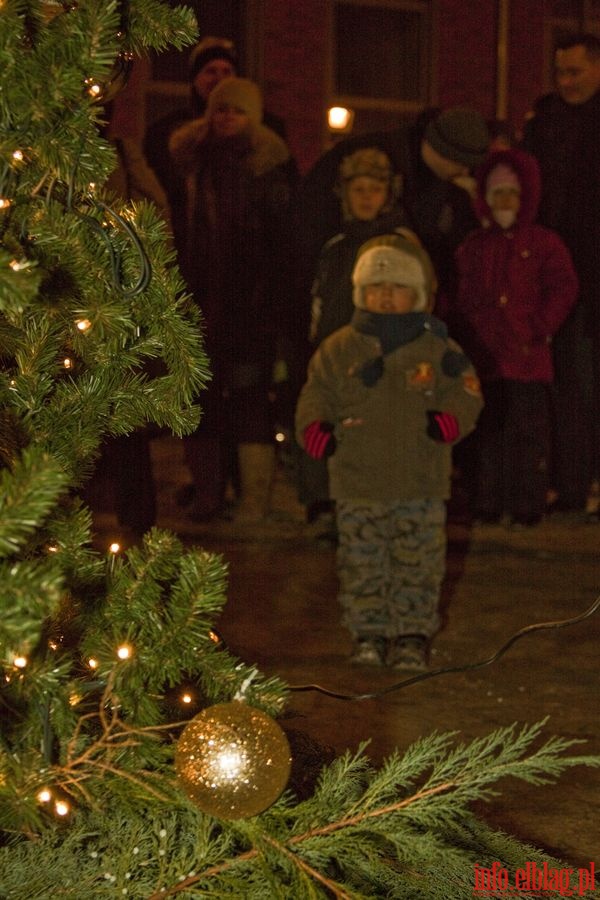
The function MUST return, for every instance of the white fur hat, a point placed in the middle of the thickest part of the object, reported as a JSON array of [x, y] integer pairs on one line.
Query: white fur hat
[[377, 264]]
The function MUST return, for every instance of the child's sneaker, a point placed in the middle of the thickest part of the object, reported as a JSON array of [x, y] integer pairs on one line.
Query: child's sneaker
[[408, 653], [368, 652]]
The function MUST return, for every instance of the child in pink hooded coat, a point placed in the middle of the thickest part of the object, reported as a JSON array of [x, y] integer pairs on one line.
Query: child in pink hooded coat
[[517, 285]]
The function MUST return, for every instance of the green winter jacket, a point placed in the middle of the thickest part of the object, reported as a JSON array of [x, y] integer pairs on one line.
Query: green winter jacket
[[383, 450]]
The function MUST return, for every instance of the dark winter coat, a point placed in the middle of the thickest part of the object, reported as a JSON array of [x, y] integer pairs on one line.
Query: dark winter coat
[[565, 139], [232, 250], [383, 450], [516, 286], [332, 304]]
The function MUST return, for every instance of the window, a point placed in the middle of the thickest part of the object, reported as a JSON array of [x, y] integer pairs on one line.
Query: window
[[381, 59]]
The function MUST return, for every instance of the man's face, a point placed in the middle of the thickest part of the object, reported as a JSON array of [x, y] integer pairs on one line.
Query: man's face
[[210, 75], [577, 74]]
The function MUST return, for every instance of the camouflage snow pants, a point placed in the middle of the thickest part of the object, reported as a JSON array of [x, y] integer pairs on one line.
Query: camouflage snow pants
[[391, 562]]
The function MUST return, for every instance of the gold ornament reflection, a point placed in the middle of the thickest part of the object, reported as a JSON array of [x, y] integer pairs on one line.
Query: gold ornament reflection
[[233, 760]]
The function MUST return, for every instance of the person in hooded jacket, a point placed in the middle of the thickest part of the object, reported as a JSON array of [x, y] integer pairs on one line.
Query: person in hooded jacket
[[232, 254], [516, 287]]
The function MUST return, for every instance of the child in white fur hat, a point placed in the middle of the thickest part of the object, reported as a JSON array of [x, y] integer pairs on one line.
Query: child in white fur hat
[[386, 398]]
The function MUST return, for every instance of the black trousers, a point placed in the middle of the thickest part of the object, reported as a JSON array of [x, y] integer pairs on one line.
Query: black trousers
[[512, 439], [575, 395]]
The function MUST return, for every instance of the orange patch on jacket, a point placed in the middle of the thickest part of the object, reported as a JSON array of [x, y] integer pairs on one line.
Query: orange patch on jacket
[[472, 385], [421, 377]]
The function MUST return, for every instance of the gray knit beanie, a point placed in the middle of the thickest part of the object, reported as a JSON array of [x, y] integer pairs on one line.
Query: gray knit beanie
[[459, 134]]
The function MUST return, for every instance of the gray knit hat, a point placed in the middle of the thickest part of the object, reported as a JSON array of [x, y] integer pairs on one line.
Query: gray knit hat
[[459, 134], [395, 258]]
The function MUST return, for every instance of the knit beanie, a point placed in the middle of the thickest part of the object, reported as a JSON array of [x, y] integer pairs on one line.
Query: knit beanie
[[396, 259], [459, 134], [208, 49], [501, 176], [239, 92]]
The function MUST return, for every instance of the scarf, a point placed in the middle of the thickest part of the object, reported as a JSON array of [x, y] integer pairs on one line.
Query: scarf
[[393, 331]]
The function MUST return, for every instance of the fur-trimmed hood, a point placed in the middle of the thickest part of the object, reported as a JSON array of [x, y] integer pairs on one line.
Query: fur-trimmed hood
[[190, 143], [527, 170]]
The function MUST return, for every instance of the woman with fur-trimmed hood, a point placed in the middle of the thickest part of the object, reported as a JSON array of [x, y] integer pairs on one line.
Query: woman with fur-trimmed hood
[[517, 285], [232, 250]]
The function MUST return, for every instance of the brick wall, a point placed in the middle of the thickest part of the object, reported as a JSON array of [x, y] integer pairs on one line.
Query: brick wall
[[295, 60], [295, 57]]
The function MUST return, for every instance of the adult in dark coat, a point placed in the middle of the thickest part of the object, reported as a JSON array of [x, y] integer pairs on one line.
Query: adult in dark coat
[[434, 158], [211, 60], [233, 257], [564, 135]]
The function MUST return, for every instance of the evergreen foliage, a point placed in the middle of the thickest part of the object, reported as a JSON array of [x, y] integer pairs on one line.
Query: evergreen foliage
[[98, 337]]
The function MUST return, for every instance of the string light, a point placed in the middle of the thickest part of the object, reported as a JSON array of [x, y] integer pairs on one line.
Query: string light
[[93, 663], [18, 155], [45, 795], [94, 90], [186, 698], [83, 324], [20, 662], [67, 362], [16, 265], [5, 202], [62, 808], [125, 651], [114, 547]]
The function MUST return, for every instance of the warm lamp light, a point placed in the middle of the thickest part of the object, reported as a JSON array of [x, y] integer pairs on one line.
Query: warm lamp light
[[339, 118]]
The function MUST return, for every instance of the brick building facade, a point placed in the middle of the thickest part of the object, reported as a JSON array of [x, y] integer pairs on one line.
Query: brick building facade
[[493, 55]]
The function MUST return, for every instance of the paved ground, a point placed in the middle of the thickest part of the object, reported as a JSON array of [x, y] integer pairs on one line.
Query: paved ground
[[281, 614]]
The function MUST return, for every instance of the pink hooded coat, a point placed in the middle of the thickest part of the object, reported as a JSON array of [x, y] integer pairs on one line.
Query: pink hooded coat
[[516, 286]]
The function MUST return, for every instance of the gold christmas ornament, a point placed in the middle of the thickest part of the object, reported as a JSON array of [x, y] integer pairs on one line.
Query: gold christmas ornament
[[233, 760]]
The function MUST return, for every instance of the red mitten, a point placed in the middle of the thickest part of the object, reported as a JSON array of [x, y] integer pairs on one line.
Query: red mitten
[[442, 426], [319, 439]]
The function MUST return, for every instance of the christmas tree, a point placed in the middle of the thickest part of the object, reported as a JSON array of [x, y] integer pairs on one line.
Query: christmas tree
[[138, 757]]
